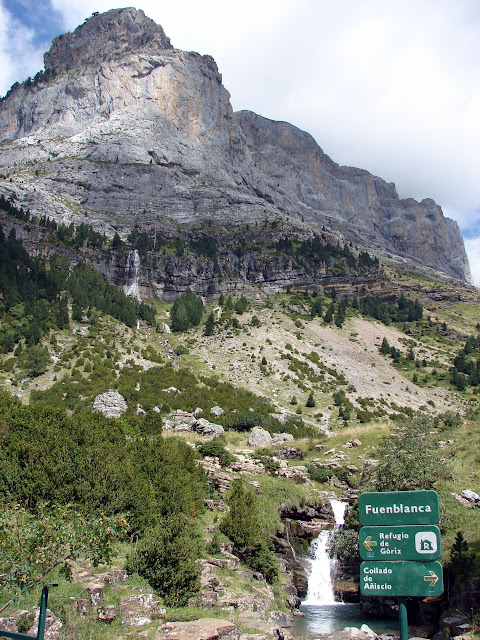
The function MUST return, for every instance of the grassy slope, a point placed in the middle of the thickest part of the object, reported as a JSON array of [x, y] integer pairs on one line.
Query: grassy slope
[[286, 338]]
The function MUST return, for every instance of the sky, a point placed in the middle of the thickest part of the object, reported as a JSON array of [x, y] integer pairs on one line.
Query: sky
[[389, 86]]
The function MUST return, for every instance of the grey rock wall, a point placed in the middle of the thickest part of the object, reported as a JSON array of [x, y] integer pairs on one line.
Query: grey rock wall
[[132, 132]]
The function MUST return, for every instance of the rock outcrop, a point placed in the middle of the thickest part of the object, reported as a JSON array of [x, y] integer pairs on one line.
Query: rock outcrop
[[124, 131], [111, 403]]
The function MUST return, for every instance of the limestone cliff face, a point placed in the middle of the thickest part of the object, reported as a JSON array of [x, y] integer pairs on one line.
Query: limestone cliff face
[[361, 207], [123, 130]]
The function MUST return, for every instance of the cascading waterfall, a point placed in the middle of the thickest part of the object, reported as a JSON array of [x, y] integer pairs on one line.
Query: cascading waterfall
[[322, 614], [320, 582], [132, 275]]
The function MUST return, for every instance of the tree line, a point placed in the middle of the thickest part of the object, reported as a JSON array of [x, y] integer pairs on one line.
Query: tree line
[[35, 295]]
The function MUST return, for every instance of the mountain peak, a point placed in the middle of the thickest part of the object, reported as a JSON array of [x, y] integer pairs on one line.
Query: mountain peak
[[104, 35]]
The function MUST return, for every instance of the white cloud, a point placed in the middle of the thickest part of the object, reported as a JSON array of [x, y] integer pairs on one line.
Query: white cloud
[[19, 57]]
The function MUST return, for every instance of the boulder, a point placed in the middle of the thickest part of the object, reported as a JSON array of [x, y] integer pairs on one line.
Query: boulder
[[135, 611], [111, 403], [281, 437], [95, 592], [289, 453], [350, 633], [471, 496], [206, 428], [83, 607], [53, 625], [107, 614], [463, 501], [259, 438], [280, 619], [217, 411]]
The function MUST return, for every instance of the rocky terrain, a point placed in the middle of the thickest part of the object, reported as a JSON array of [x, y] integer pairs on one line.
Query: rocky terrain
[[124, 131]]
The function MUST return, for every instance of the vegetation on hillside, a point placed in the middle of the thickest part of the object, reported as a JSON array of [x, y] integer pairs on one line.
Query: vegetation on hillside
[[130, 481]]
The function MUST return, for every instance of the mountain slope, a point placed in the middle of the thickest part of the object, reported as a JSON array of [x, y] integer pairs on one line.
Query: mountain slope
[[123, 130]]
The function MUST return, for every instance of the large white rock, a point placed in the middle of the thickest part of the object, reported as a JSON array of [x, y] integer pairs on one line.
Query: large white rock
[[259, 438], [111, 403], [207, 428]]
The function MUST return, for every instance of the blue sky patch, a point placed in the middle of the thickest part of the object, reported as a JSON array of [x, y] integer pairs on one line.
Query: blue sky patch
[[43, 20]]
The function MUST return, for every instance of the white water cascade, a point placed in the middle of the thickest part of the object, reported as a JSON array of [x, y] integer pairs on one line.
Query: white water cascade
[[320, 582], [132, 275]]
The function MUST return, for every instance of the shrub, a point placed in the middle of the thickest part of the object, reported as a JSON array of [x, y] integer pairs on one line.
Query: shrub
[[246, 421], [166, 557], [186, 312], [241, 524], [364, 416], [409, 460], [271, 465], [216, 449], [263, 559], [35, 360], [319, 474], [180, 350], [344, 545]]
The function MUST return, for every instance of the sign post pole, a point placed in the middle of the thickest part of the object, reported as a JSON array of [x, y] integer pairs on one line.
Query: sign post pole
[[402, 613]]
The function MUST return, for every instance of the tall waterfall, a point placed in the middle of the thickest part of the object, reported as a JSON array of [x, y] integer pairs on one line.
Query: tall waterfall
[[132, 275], [320, 582]]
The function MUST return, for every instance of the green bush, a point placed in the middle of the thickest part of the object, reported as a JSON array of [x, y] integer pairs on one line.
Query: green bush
[[344, 545], [246, 421], [310, 400], [242, 526], [271, 465], [364, 416], [409, 460], [166, 557], [180, 350], [216, 449], [262, 559], [319, 474], [186, 312]]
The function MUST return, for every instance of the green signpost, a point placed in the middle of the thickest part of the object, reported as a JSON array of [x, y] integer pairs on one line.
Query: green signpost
[[411, 542], [399, 508], [401, 578], [400, 545]]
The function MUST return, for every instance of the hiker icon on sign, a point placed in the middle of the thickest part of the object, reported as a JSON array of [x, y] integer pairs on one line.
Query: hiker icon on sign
[[425, 542]]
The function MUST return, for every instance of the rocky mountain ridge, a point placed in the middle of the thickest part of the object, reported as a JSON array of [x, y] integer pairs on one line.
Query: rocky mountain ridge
[[124, 131]]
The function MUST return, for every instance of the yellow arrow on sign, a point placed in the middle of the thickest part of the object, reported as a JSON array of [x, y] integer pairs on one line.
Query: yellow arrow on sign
[[432, 578], [368, 543]]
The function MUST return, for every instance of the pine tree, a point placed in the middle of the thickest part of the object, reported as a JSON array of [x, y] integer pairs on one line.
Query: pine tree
[[209, 325], [329, 314], [310, 400]]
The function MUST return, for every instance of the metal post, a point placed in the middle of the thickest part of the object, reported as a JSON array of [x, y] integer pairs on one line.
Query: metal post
[[402, 614], [43, 613]]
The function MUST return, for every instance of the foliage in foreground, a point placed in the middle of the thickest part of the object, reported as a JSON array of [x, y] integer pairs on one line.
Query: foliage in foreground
[[34, 544], [104, 465]]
